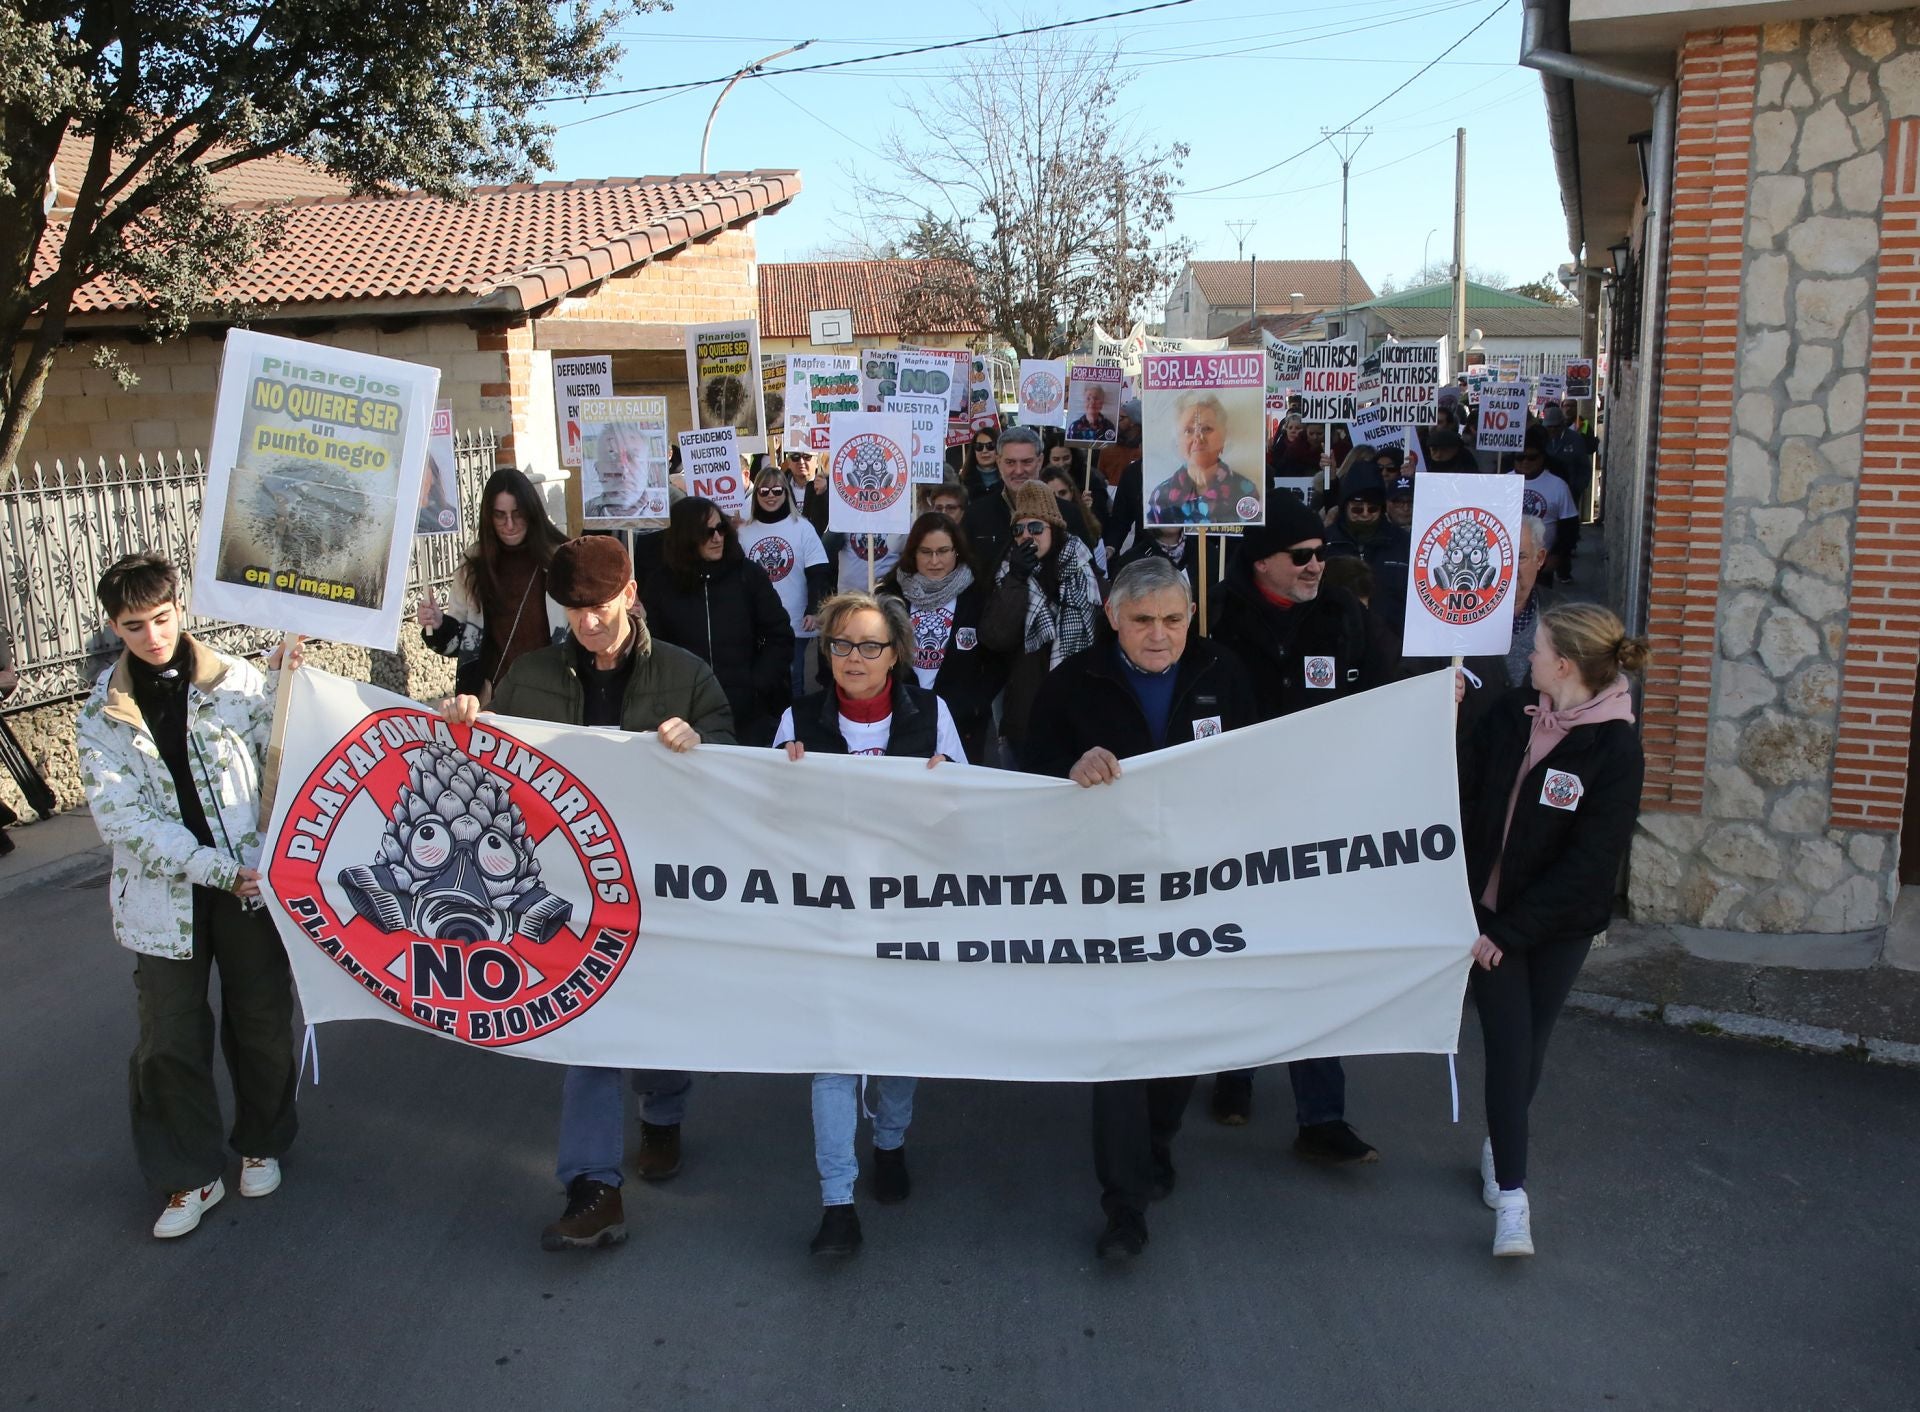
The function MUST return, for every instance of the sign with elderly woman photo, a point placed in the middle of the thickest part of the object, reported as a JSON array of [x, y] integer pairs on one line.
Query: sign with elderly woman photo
[[623, 462], [1202, 418], [1095, 389], [1465, 560]]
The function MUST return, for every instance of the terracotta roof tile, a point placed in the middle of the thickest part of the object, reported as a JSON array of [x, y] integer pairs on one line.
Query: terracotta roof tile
[[278, 178], [1224, 282], [517, 246], [872, 289], [1279, 325]]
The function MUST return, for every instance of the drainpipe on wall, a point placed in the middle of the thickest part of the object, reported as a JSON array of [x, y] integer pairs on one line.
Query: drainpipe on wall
[[1543, 46]]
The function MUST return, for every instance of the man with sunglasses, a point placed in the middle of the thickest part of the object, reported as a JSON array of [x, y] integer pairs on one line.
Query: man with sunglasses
[[810, 501], [1303, 644]]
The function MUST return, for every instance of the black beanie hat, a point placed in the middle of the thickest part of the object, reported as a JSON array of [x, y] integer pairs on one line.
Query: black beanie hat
[[1288, 523]]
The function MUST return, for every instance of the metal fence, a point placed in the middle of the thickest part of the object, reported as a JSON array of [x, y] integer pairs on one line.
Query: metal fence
[[60, 527]]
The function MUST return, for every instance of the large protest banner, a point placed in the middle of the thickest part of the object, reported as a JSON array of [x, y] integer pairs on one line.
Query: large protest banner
[[520, 887], [623, 462], [1043, 392], [1460, 585], [312, 489], [1410, 383], [440, 481], [806, 423], [1330, 381], [723, 380], [573, 379], [710, 460], [1095, 389], [1201, 415], [1503, 418], [928, 418], [870, 471]]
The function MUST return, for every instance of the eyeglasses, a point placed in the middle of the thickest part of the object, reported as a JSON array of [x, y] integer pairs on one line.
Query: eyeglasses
[[846, 647], [716, 531], [985, 448], [927, 551], [1031, 528], [771, 490], [507, 517], [1301, 557]]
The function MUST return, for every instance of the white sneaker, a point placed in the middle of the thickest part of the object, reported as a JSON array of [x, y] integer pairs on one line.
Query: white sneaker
[[1512, 1225], [1489, 1184], [184, 1209], [259, 1176]]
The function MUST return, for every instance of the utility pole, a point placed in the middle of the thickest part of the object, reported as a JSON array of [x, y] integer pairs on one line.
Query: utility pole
[[1240, 229], [1459, 249], [1351, 141], [1122, 300], [747, 72]]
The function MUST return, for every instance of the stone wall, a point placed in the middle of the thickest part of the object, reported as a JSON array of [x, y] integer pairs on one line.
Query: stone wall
[[1759, 852]]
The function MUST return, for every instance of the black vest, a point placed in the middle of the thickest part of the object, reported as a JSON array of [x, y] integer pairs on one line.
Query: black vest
[[916, 722]]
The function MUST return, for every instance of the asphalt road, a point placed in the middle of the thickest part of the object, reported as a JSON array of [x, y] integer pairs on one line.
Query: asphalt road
[[1720, 1226]]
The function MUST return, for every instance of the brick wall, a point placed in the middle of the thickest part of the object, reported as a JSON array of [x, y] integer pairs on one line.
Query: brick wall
[[1697, 369], [704, 282], [1883, 633]]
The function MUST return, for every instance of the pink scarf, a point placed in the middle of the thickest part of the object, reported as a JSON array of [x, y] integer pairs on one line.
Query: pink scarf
[[1612, 702]]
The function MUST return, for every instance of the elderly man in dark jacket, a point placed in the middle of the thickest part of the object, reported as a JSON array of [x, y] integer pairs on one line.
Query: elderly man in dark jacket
[[1303, 644], [611, 673], [1148, 683]]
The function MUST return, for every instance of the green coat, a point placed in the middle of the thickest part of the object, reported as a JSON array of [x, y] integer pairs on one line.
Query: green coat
[[667, 681]]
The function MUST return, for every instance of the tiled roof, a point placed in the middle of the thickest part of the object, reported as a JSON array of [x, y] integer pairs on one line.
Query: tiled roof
[[1537, 321], [871, 288], [1224, 282], [278, 178], [1440, 296], [1279, 325], [511, 247]]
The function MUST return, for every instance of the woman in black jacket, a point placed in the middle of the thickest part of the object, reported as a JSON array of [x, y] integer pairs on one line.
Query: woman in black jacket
[[709, 598], [934, 582], [1549, 789]]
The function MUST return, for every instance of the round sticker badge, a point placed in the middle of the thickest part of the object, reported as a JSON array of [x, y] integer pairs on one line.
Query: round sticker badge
[[1248, 507], [1041, 392], [870, 472], [1463, 566], [467, 881]]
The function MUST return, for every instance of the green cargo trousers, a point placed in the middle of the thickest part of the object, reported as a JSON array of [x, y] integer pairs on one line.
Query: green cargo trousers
[[175, 1109]]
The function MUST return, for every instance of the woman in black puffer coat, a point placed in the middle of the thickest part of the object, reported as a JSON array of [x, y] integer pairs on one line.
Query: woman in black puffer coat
[[709, 598]]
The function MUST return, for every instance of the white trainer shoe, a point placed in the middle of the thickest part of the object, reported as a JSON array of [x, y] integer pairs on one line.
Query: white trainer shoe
[[1489, 1184], [185, 1208], [259, 1176], [1513, 1225]]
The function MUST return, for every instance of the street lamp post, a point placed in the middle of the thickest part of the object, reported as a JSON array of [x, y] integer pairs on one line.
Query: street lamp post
[[748, 71]]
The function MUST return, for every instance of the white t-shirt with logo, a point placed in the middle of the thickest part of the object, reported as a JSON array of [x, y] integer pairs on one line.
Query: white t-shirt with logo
[[853, 559], [932, 640], [1547, 496], [786, 549], [871, 737]]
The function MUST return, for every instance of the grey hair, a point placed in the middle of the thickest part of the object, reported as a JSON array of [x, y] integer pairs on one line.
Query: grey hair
[[1148, 576], [1536, 528], [1022, 434]]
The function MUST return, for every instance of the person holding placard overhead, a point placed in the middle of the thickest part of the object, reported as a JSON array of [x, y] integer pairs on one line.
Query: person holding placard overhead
[[1549, 790]]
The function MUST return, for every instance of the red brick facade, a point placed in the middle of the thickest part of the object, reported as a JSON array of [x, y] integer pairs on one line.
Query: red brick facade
[[1697, 371]]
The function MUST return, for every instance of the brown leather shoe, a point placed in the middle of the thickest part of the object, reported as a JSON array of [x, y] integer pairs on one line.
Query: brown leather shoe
[[594, 1217], [659, 1156]]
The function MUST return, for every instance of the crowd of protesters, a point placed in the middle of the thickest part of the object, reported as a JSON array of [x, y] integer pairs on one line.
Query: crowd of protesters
[[1027, 621]]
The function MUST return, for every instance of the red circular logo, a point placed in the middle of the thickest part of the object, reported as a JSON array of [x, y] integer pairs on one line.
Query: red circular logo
[[870, 472], [466, 880], [1247, 507], [773, 554], [1463, 566], [1041, 391]]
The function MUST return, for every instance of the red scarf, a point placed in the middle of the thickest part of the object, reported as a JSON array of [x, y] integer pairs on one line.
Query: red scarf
[[874, 709]]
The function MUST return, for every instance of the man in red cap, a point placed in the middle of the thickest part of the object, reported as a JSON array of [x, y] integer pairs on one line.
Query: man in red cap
[[611, 673]]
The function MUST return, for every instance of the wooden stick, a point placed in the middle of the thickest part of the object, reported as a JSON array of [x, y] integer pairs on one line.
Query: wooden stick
[[869, 566], [277, 737]]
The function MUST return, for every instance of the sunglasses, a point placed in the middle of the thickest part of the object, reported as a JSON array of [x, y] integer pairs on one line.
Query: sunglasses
[[1030, 527], [1301, 557], [716, 531], [846, 647], [771, 490]]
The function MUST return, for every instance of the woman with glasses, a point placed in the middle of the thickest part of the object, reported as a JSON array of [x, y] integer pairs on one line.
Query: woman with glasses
[[498, 607], [874, 707], [788, 548], [1044, 604], [935, 583], [709, 598], [982, 474]]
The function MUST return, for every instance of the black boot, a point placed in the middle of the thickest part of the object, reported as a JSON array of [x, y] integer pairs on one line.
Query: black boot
[[890, 1181], [1125, 1235], [839, 1232], [1233, 1097]]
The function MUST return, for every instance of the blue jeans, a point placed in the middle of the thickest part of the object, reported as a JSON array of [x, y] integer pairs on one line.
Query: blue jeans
[[1319, 1091], [593, 1125], [836, 1116]]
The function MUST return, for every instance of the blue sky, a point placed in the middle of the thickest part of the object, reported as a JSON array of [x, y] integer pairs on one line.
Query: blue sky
[[1244, 84]]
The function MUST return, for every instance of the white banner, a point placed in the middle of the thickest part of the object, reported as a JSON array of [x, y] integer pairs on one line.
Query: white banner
[[1503, 417], [870, 470], [573, 379], [588, 897], [723, 380], [928, 417], [1460, 585], [1043, 392], [312, 487], [710, 461]]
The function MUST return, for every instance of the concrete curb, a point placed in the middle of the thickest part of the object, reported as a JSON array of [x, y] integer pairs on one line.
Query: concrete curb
[[1814, 1039], [61, 870]]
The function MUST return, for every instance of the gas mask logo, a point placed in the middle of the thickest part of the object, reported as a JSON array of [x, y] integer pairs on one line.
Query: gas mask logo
[[455, 862]]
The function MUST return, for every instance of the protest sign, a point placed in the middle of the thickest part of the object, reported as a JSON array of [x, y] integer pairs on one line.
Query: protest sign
[[573, 379], [1461, 583], [1549, 387], [1203, 414], [879, 376], [1330, 381], [1043, 392], [1369, 392], [928, 453], [623, 462], [1152, 343], [870, 473], [1284, 362], [1370, 427], [1507, 368], [1503, 417], [710, 460], [316, 459], [1301, 488], [806, 424], [799, 927], [1276, 404], [1579, 376], [773, 391], [933, 372], [1095, 389], [983, 412], [1410, 383], [723, 372], [440, 482]]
